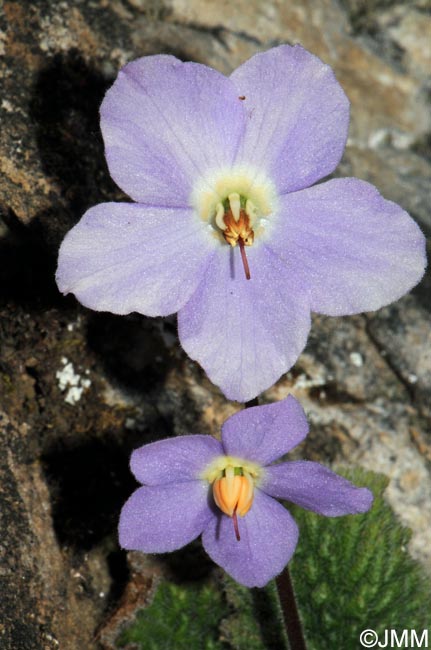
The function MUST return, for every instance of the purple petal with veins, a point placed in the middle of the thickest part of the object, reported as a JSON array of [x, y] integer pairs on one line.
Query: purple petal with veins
[[226, 229]]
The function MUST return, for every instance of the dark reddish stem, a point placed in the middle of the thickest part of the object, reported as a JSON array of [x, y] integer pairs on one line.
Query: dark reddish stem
[[289, 608], [244, 259], [286, 595]]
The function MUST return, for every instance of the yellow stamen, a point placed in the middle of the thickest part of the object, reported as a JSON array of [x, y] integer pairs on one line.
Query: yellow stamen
[[251, 210], [234, 493], [233, 480], [235, 204], [219, 217], [237, 230]]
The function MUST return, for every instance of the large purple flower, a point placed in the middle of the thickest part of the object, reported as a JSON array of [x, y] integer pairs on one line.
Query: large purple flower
[[195, 484], [220, 171]]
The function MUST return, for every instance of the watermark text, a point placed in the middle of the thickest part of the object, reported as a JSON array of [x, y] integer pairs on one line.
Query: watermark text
[[394, 639]]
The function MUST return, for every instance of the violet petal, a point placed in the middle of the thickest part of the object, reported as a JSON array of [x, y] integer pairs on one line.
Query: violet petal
[[264, 433], [355, 250], [298, 116], [245, 333], [165, 123], [268, 539], [174, 460], [158, 519], [124, 257], [314, 487]]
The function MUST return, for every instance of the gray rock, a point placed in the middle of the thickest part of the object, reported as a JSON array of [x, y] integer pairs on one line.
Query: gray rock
[[78, 390]]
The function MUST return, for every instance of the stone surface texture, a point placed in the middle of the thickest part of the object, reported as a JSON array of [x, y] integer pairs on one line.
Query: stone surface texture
[[79, 390]]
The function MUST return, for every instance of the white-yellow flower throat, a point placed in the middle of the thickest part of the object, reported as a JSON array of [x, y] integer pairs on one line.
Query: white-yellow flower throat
[[236, 204]]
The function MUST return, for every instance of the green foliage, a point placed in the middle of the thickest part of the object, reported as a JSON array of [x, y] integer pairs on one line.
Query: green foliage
[[352, 573], [208, 616], [255, 621], [179, 618]]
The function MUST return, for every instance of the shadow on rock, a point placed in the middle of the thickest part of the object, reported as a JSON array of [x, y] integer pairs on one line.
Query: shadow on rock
[[132, 349], [88, 485], [423, 290], [64, 118], [65, 113], [188, 564], [27, 265]]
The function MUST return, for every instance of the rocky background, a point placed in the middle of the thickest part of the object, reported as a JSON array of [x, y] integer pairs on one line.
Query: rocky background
[[79, 390]]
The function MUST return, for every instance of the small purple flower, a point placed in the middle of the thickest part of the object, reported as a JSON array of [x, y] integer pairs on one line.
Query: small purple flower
[[196, 485], [220, 170]]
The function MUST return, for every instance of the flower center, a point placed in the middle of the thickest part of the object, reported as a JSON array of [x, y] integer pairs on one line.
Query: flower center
[[233, 493], [234, 217], [236, 204], [233, 481]]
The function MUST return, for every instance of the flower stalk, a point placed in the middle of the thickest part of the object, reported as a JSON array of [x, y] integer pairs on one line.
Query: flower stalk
[[292, 621], [286, 595]]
